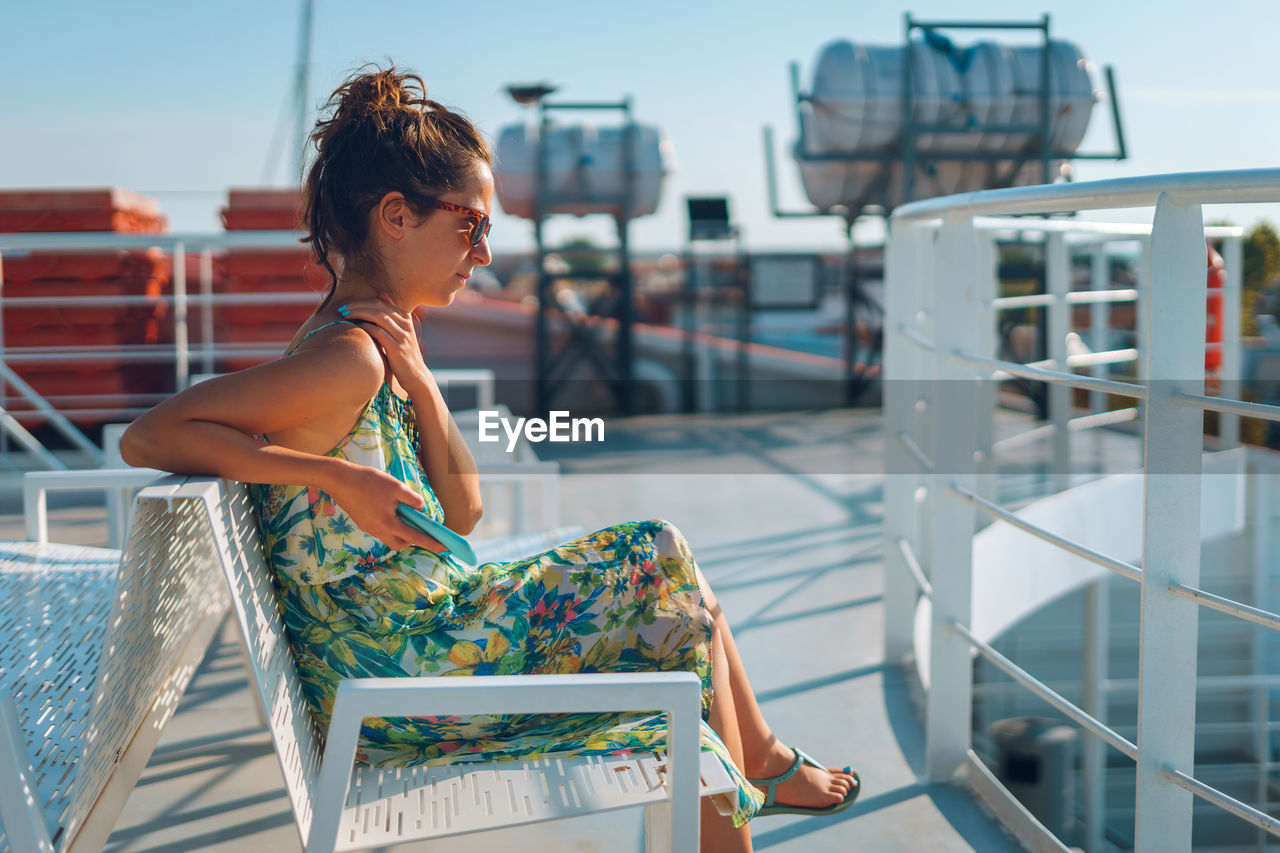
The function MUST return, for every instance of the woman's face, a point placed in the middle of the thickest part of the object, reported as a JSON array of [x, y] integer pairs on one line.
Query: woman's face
[[438, 255]]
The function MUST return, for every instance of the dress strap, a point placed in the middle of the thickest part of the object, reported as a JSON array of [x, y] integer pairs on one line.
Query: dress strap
[[317, 329]]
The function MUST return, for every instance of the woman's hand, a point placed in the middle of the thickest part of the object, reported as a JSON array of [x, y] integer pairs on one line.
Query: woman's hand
[[397, 336], [370, 497]]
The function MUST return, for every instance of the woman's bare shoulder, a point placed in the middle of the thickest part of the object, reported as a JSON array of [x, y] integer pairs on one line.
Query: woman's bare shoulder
[[332, 374]]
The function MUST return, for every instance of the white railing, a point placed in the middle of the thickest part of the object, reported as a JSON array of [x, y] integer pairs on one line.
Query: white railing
[[940, 369], [180, 352]]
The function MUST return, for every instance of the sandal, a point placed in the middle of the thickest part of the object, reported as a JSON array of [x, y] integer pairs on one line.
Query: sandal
[[771, 808]]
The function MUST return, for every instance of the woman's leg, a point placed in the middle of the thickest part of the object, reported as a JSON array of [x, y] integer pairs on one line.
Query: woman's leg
[[763, 755], [718, 833]]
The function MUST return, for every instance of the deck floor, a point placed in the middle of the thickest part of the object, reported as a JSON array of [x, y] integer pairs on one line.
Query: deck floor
[[783, 512]]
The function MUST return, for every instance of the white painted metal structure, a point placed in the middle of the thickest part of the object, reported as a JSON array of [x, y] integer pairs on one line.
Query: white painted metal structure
[[940, 358], [340, 805], [96, 649]]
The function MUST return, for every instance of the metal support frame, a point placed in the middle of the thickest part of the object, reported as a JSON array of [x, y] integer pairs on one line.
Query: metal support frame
[[700, 362], [552, 367], [913, 160]]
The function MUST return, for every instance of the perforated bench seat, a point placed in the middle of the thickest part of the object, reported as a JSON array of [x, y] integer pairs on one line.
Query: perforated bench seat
[[95, 653]]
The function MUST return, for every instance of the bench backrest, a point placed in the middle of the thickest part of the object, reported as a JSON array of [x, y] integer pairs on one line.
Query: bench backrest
[[221, 522], [106, 646]]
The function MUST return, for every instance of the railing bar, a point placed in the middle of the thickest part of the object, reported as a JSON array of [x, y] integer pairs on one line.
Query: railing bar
[[1114, 356], [1097, 419], [1075, 297], [1031, 300], [1089, 383], [909, 556], [283, 298], [909, 443], [1086, 297], [1225, 605], [1118, 566], [1037, 687], [1230, 407], [1033, 434], [912, 334], [1222, 801]]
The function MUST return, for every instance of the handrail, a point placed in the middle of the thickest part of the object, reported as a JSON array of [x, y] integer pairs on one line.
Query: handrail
[[1089, 383], [1120, 567], [909, 444], [913, 334], [1225, 187], [1221, 800], [917, 573], [1042, 690], [1264, 618], [1231, 407]]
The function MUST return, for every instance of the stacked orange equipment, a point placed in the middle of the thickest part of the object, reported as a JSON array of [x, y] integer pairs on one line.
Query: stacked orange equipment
[[284, 270], [1215, 282], [107, 388]]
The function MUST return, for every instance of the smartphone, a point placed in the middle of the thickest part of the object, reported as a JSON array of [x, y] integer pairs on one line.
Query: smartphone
[[458, 547]]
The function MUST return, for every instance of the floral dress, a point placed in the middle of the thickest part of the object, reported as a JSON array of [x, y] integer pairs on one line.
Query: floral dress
[[623, 599]]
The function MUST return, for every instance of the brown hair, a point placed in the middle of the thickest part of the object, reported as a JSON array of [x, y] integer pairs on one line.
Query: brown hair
[[381, 134]]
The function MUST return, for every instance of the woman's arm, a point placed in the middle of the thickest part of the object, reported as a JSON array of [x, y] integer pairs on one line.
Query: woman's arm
[[445, 457], [302, 401]]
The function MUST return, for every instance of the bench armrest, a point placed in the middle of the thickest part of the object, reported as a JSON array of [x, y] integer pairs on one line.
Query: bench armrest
[[678, 694], [36, 484]]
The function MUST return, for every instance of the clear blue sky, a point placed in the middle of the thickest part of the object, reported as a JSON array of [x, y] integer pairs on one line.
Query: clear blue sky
[[180, 99]]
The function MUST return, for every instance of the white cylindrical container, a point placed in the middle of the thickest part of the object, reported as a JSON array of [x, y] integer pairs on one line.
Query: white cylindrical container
[[585, 169], [856, 107]]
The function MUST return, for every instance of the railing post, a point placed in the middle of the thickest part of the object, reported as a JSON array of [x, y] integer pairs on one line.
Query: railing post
[[958, 313], [1097, 650], [1174, 322], [1230, 371], [206, 311], [907, 259], [1057, 267], [181, 351], [987, 277], [1259, 509], [1099, 319]]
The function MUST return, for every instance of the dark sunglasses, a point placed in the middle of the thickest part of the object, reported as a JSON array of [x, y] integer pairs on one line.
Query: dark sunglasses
[[480, 224]]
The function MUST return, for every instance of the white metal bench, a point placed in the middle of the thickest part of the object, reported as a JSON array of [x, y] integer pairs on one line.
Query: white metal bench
[[96, 650], [339, 805]]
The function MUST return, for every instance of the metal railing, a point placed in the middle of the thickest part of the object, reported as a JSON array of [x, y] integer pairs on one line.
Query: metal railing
[[939, 404], [189, 360]]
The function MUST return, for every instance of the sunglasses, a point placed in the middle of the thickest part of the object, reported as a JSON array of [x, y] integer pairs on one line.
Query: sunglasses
[[480, 224]]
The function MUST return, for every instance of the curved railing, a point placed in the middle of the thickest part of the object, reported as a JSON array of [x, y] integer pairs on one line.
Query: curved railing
[[940, 367]]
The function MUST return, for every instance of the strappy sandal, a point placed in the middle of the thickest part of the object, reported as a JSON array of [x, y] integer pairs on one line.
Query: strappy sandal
[[771, 808]]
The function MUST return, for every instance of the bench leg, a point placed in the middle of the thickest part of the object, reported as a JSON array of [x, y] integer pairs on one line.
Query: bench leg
[[20, 810], [657, 828]]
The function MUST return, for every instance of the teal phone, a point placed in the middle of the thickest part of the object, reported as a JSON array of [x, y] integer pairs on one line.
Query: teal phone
[[457, 546]]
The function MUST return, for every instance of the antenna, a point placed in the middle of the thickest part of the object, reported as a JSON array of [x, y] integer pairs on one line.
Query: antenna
[[301, 91]]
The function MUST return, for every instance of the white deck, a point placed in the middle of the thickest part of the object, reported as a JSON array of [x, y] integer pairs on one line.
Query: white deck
[[783, 513]]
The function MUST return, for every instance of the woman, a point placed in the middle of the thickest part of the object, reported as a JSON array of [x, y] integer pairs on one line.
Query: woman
[[350, 423]]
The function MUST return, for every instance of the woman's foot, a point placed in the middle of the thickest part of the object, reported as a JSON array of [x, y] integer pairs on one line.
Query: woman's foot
[[808, 787]]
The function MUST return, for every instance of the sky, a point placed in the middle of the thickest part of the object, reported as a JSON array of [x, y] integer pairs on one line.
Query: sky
[[181, 100]]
